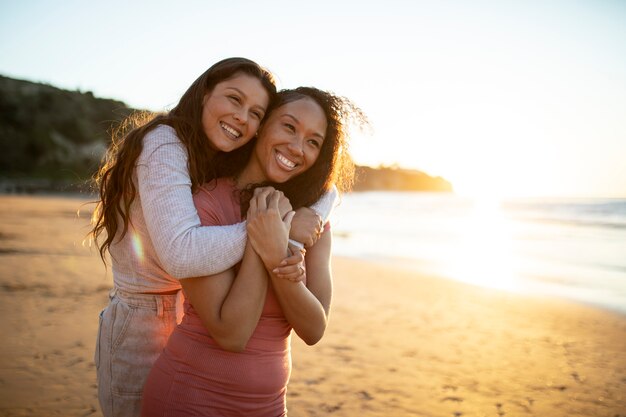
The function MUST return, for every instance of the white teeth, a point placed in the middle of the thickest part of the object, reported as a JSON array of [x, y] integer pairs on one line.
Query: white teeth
[[288, 163], [230, 130]]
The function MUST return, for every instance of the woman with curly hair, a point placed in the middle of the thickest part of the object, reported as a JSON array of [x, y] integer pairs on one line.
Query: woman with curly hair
[[230, 356]]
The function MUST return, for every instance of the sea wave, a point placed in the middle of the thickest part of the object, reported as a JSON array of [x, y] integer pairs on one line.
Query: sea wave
[[569, 243]]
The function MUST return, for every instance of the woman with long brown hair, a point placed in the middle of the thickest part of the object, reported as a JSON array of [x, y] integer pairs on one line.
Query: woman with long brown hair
[[148, 223]]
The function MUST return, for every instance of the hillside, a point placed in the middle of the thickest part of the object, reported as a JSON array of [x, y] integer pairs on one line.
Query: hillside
[[397, 179], [49, 133], [53, 139]]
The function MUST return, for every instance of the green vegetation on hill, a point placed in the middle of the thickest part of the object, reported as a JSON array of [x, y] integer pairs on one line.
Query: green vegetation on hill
[[46, 132], [54, 139]]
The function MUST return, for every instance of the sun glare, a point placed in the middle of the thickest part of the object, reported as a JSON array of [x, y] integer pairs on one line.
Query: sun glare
[[484, 254]]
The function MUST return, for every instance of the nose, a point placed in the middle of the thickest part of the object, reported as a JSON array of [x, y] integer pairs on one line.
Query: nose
[[241, 116], [295, 146]]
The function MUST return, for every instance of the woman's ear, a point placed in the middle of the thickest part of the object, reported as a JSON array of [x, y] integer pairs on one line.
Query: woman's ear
[[260, 129]]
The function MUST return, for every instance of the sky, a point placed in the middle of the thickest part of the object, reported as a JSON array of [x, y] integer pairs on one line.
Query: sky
[[502, 98]]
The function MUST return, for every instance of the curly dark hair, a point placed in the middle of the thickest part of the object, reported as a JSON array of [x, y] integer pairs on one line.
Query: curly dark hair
[[334, 166], [114, 179]]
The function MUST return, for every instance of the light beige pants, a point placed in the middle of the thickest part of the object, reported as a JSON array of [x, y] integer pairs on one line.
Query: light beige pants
[[133, 331]]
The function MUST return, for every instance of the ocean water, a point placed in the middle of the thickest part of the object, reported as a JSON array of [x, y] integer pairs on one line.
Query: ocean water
[[569, 248]]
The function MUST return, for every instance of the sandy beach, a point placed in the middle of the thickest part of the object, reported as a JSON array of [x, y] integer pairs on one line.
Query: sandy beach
[[399, 343]]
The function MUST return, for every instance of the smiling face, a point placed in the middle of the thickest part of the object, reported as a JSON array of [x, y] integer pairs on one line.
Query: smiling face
[[289, 142], [232, 112]]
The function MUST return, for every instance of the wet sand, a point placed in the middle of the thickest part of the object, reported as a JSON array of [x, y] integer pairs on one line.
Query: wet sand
[[399, 343]]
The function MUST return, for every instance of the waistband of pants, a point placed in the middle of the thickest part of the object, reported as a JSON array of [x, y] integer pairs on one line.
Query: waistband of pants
[[157, 302]]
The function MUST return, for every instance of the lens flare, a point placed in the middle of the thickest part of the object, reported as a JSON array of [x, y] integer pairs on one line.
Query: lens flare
[[137, 246]]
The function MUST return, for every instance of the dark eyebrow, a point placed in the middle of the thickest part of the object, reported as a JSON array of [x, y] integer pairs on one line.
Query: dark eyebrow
[[263, 109], [298, 121], [237, 90]]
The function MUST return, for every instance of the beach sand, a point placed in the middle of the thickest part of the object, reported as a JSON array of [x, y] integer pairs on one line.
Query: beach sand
[[399, 343]]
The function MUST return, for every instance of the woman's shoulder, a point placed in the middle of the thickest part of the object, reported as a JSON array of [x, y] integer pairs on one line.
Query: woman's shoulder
[[161, 134], [162, 138], [216, 202], [217, 189]]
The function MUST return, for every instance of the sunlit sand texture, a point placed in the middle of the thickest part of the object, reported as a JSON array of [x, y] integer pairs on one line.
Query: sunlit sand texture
[[399, 343]]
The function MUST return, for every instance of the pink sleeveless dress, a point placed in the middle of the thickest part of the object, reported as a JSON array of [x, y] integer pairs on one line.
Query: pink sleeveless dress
[[195, 377]]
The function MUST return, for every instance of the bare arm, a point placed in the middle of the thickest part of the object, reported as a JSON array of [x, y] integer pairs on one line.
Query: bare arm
[[230, 304], [306, 229], [308, 223], [306, 226], [307, 307]]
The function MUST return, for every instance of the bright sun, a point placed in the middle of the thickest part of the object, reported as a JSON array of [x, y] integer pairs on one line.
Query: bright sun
[[484, 253]]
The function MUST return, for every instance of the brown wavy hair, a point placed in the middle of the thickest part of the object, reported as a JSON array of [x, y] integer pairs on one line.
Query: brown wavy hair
[[114, 179], [334, 166]]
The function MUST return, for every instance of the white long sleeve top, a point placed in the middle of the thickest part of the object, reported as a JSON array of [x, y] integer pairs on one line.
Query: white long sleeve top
[[165, 241]]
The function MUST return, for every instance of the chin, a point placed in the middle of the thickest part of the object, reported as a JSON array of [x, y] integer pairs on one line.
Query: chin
[[279, 179]]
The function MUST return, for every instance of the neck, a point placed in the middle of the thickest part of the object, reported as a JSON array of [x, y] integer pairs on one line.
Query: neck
[[250, 175]]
